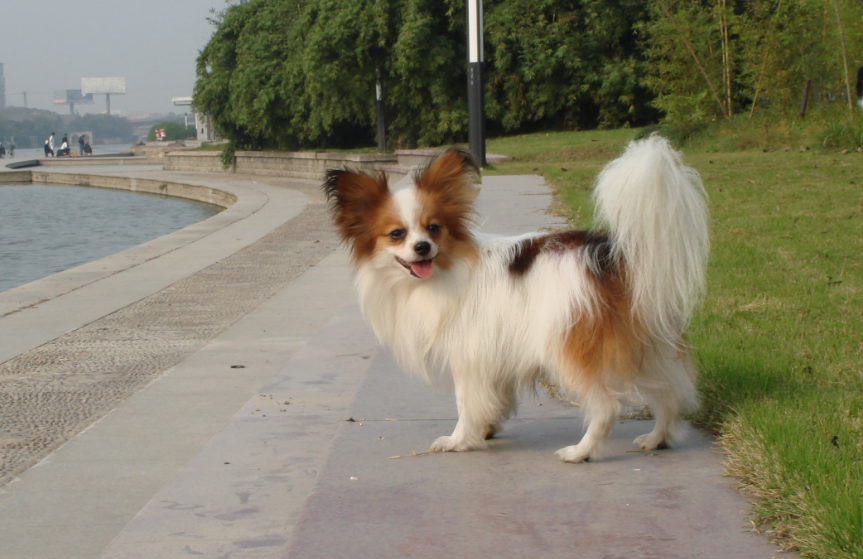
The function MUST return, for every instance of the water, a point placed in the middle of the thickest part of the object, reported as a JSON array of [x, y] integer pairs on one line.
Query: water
[[48, 229], [39, 153]]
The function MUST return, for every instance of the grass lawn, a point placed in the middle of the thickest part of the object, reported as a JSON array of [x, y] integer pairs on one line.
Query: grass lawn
[[779, 340]]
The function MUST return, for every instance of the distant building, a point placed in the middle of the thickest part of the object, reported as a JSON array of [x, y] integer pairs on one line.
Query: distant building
[[2, 88]]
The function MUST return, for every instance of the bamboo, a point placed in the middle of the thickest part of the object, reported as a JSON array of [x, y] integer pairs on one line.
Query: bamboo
[[844, 60], [726, 55], [695, 57], [764, 60]]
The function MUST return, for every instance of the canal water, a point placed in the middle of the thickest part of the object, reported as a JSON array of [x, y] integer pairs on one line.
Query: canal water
[[48, 229]]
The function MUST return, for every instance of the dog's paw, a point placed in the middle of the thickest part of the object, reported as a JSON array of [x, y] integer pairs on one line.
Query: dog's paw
[[574, 454], [491, 430], [452, 444], [651, 441]]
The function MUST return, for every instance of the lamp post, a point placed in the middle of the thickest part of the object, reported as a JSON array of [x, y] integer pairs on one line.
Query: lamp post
[[379, 108], [475, 101]]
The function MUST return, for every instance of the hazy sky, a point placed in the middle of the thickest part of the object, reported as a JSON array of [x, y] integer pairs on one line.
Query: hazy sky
[[49, 45]]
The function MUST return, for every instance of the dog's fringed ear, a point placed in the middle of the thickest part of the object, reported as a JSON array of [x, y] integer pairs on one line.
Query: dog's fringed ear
[[451, 177], [354, 200]]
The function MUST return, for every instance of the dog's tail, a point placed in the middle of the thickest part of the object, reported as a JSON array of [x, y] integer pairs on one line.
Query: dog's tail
[[656, 211]]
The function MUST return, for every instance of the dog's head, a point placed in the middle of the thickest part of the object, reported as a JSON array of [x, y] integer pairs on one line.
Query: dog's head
[[416, 229]]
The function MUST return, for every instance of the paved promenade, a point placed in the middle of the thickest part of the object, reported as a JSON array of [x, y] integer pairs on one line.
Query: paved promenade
[[218, 395]]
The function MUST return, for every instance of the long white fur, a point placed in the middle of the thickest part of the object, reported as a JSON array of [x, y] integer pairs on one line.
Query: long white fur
[[491, 334], [655, 208]]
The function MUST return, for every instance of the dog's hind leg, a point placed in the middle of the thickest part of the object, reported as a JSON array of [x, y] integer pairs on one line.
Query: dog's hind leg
[[481, 407], [602, 409], [667, 382]]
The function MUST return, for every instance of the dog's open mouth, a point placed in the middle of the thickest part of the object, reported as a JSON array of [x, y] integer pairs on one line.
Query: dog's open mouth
[[421, 269]]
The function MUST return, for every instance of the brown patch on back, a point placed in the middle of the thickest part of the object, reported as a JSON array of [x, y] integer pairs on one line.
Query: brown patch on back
[[446, 193], [597, 244], [362, 207]]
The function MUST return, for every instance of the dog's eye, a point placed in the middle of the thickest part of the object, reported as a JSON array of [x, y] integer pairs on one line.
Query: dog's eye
[[433, 229], [397, 234]]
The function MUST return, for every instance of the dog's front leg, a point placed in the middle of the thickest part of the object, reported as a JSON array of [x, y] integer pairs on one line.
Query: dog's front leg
[[475, 415]]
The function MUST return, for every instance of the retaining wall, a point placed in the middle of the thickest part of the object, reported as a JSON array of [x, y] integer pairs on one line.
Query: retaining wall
[[15, 177], [300, 165], [150, 186]]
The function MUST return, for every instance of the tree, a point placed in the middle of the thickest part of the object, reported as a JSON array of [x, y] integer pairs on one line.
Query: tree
[[291, 74]]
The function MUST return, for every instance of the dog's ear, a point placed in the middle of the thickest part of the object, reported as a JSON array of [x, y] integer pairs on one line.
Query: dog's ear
[[451, 178], [354, 200], [448, 185]]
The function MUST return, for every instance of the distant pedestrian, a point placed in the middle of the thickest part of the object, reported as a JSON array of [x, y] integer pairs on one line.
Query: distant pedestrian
[[81, 144], [11, 150], [2, 151], [65, 140], [87, 149], [49, 146]]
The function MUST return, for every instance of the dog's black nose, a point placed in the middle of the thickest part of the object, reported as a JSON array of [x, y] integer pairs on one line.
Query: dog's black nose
[[422, 248]]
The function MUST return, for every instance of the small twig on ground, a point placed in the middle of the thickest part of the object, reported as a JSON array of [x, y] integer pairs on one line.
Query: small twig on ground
[[414, 453]]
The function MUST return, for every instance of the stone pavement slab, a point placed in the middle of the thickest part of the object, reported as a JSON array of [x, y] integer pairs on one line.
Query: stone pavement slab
[[240, 496], [516, 499], [76, 500]]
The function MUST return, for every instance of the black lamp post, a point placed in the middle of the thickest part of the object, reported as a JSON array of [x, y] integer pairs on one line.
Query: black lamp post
[[379, 106], [475, 101]]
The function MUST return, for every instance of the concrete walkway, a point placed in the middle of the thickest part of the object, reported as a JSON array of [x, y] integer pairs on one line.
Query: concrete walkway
[[289, 455]]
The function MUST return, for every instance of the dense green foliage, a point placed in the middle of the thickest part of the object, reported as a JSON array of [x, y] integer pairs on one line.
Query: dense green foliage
[[173, 131], [301, 73], [289, 74], [31, 127]]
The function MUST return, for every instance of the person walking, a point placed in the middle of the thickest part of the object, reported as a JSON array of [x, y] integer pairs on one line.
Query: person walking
[[2, 151], [12, 149], [49, 146], [81, 144]]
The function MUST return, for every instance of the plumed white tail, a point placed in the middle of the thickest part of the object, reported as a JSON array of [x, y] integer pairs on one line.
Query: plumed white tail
[[656, 211]]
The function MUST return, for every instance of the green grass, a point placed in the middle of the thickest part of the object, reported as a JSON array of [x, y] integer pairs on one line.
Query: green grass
[[779, 340]]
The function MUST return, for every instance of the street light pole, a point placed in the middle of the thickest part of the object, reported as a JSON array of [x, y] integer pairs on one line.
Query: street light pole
[[475, 100], [379, 107]]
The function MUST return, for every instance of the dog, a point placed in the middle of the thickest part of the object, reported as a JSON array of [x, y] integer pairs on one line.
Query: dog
[[601, 314]]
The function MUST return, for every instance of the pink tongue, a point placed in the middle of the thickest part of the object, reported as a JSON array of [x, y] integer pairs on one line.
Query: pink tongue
[[422, 269]]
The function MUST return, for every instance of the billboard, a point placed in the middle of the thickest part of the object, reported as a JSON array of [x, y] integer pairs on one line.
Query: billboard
[[65, 96], [103, 85]]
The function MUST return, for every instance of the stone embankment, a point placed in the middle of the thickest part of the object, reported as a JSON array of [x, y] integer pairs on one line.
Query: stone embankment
[[299, 165]]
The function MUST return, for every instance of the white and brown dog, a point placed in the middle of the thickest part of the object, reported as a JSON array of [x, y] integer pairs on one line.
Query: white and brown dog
[[601, 314]]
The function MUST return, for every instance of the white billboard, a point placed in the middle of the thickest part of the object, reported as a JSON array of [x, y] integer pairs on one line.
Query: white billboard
[[103, 85]]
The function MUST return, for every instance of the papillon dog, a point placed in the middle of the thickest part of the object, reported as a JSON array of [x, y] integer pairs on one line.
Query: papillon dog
[[601, 314]]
